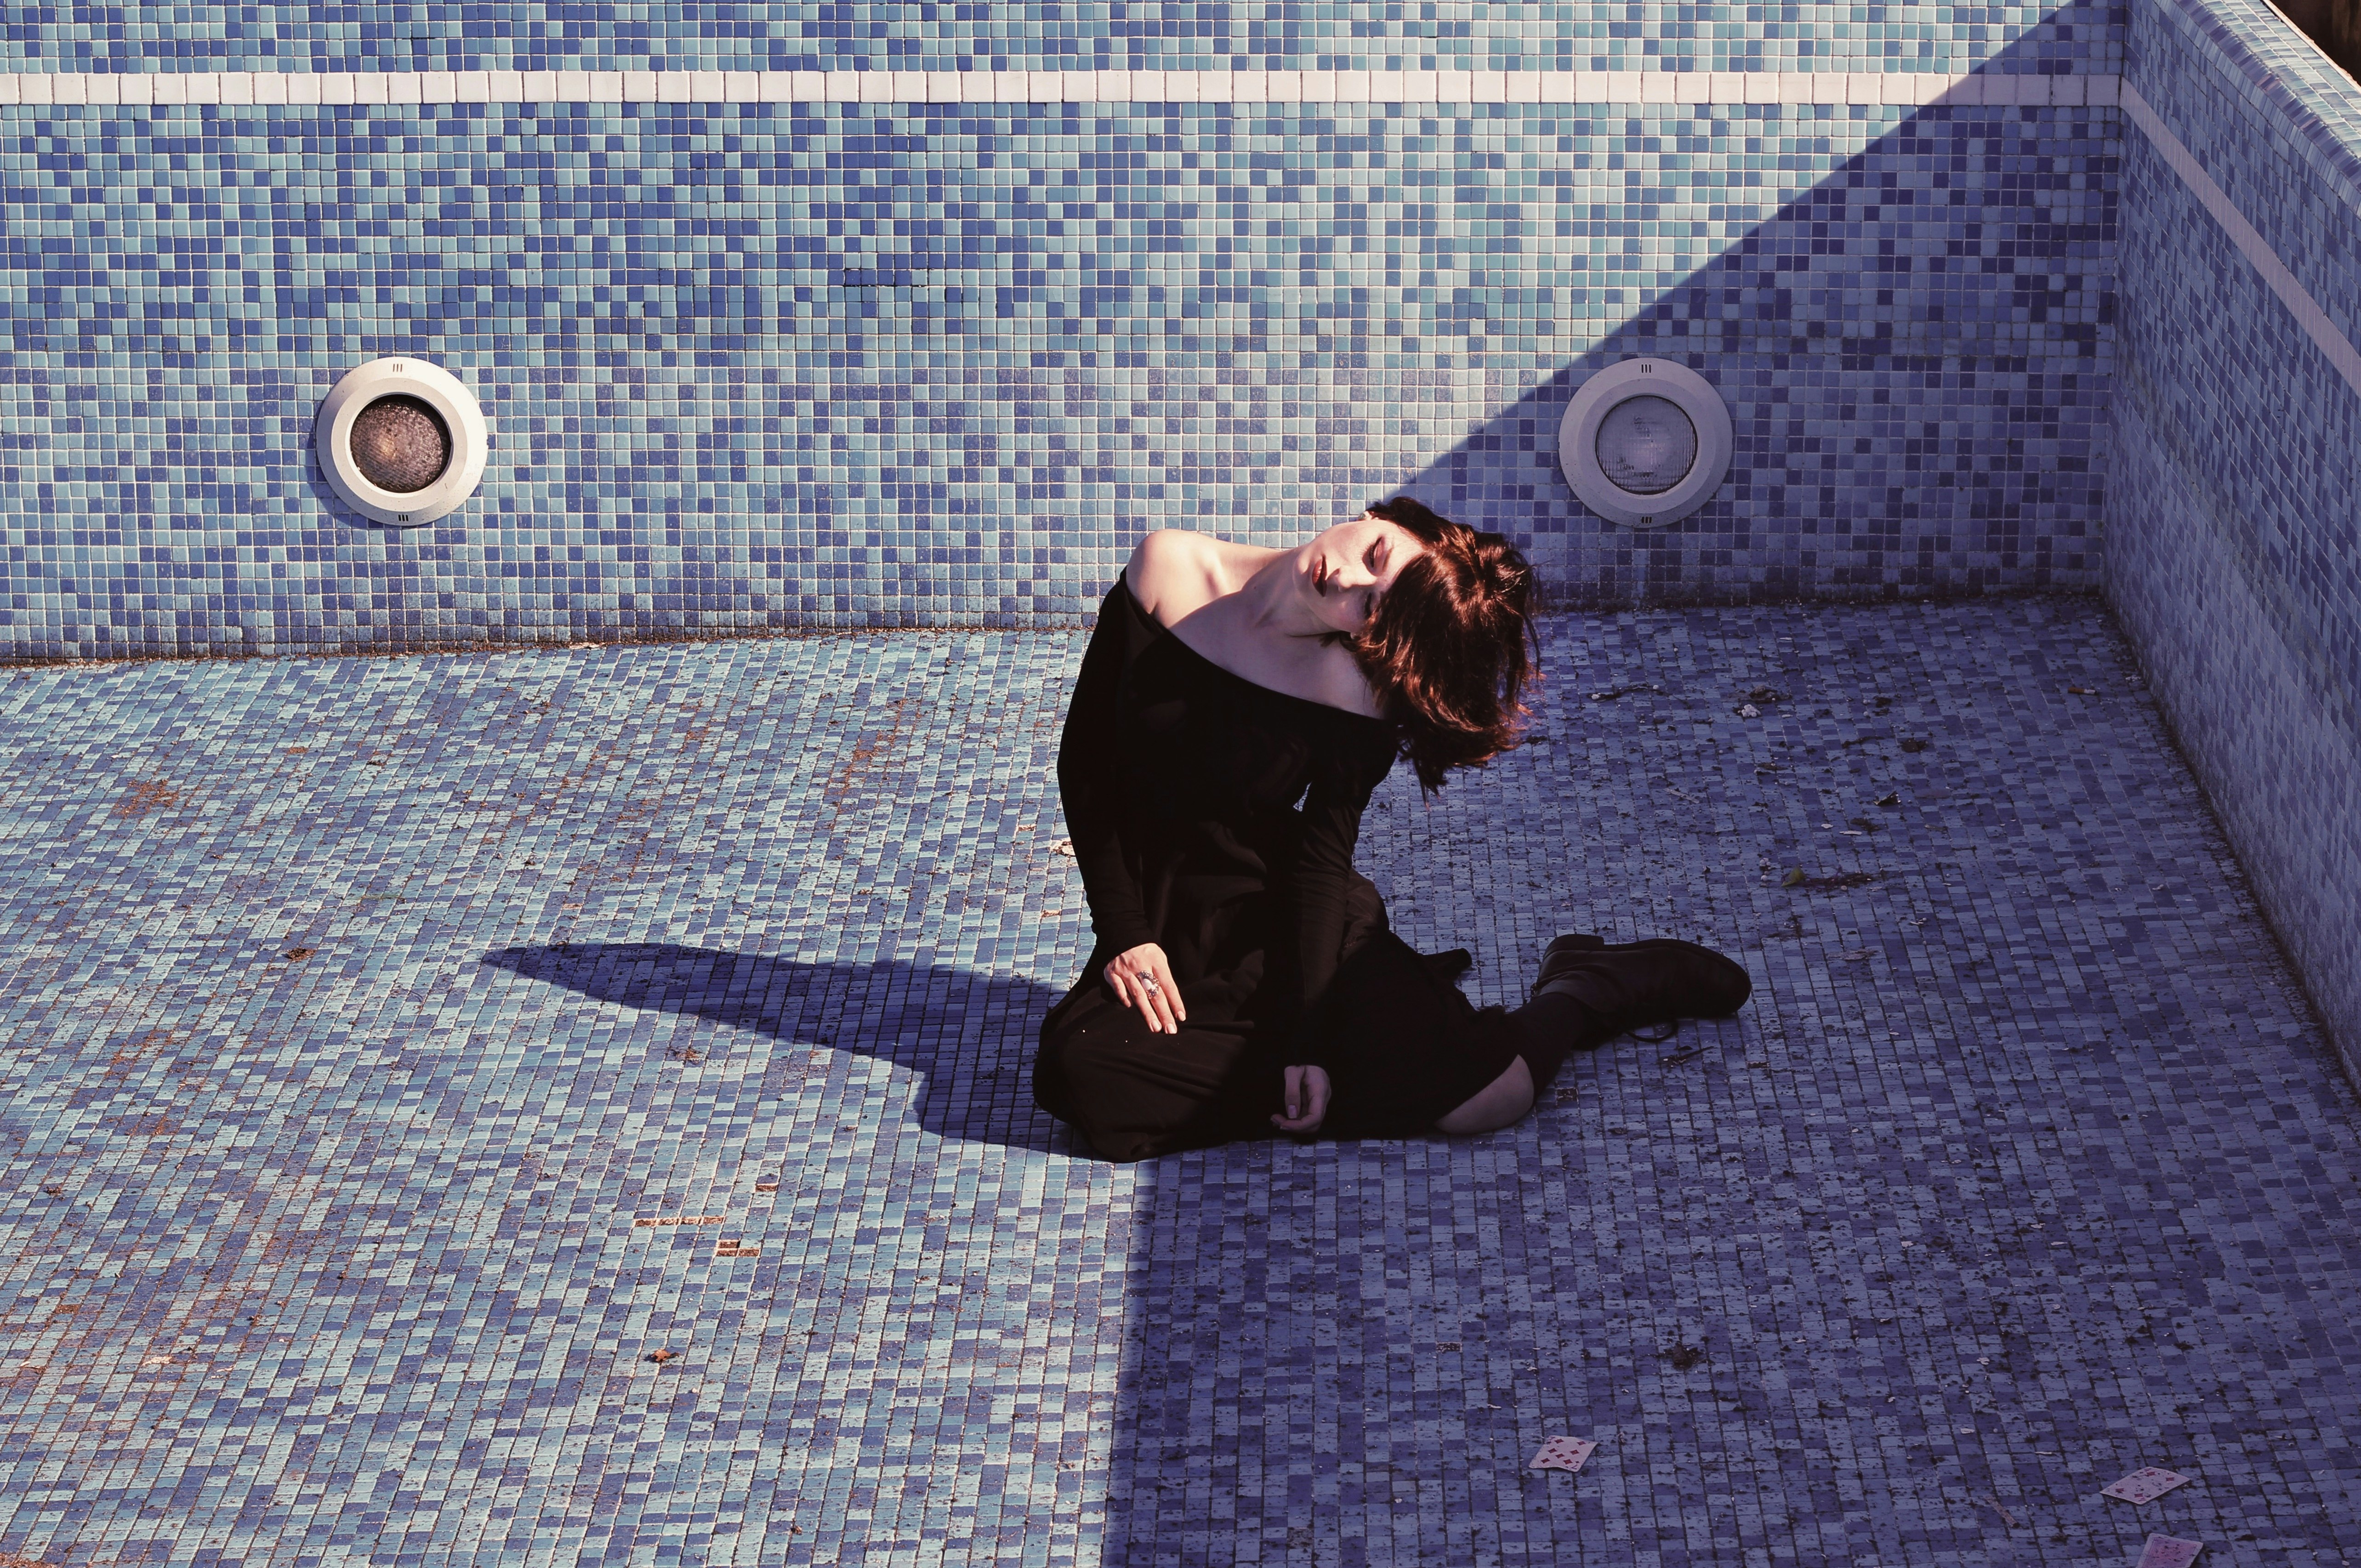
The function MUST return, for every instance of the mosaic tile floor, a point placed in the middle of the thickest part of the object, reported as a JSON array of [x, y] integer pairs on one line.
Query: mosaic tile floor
[[359, 1011]]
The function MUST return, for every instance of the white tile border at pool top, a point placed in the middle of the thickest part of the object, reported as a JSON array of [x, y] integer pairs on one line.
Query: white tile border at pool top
[[2249, 241], [1874, 88]]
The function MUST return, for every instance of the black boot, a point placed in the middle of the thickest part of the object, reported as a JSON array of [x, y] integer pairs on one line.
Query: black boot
[[1630, 985]]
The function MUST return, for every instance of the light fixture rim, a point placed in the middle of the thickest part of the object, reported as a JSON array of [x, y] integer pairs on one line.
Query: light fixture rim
[[462, 419], [1607, 389]]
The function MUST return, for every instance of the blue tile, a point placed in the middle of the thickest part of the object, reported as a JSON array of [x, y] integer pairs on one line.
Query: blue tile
[[357, 1009], [872, 35], [2233, 551], [769, 366]]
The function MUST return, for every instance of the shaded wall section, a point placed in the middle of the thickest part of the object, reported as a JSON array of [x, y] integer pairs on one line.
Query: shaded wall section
[[2232, 534], [1916, 353]]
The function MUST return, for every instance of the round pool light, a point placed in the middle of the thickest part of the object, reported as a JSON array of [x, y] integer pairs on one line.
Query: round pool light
[[402, 440], [400, 444], [1645, 443], [1646, 446]]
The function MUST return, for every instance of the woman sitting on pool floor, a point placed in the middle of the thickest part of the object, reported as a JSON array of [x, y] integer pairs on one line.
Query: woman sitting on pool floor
[[1244, 983]]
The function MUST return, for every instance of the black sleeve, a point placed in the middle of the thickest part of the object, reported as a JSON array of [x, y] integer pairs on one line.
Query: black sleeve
[[1090, 782], [1341, 786]]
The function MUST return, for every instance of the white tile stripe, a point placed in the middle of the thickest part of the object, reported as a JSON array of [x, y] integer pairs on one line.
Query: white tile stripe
[[1908, 89], [2250, 243]]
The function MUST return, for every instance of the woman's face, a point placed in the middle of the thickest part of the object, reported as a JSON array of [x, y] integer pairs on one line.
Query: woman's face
[[1347, 569]]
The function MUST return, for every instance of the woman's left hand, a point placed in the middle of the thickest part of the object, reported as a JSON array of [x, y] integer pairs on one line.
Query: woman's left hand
[[1307, 1100]]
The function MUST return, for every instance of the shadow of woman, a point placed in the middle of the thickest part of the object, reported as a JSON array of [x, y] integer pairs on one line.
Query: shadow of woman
[[969, 1036]]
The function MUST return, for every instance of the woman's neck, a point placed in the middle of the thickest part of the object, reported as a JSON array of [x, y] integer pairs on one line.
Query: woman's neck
[[1271, 601]]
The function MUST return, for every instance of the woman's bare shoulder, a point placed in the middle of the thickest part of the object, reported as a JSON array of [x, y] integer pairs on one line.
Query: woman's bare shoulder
[[1174, 573]]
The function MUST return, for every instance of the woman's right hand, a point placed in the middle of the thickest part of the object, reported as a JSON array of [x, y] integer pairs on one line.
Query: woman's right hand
[[1141, 979], [1307, 1100]]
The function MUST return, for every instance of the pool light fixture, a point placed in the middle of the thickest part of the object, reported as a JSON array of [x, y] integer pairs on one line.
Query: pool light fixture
[[1645, 443], [402, 440]]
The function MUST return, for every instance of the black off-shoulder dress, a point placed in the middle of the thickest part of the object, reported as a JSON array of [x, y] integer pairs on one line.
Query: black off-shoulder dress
[[1181, 784]]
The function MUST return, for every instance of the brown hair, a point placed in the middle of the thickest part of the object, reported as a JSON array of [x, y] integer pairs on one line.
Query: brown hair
[[1452, 644]]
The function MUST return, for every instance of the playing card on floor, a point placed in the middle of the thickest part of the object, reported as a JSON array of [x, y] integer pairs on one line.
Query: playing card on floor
[[2144, 1486], [1563, 1453], [2169, 1552]]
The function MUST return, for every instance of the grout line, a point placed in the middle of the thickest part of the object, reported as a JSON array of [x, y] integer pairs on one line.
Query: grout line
[[311, 89], [2257, 251]]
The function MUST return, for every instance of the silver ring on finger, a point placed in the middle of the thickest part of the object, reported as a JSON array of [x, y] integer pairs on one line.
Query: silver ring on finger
[[1147, 983]]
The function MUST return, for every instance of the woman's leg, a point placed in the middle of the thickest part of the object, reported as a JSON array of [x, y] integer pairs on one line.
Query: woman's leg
[[1555, 1027], [1133, 1093], [1500, 1103], [1550, 1028], [1588, 993]]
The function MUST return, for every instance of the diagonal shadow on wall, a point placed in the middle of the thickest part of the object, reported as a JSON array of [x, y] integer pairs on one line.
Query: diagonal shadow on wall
[[1914, 351]]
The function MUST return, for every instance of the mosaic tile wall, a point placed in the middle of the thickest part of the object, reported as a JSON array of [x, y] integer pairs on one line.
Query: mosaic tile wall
[[2233, 549], [756, 365], [1176, 34]]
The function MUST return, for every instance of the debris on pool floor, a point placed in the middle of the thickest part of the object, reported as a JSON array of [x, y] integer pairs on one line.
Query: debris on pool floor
[[516, 1107]]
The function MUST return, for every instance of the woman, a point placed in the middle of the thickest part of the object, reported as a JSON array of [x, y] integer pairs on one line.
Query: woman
[[1245, 982]]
